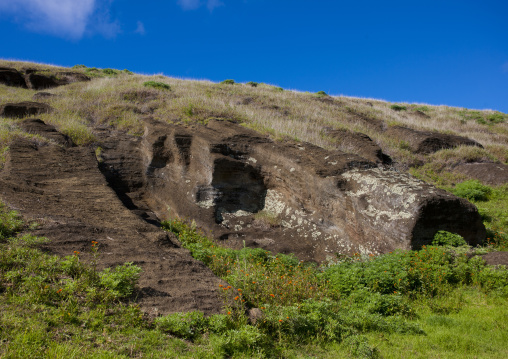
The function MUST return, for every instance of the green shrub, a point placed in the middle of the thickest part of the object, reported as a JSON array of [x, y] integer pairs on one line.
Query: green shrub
[[121, 280], [110, 72], [472, 190], [10, 222], [157, 85], [228, 82], [321, 93], [398, 108], [128, 72], [278, 89], [185, 325], [252, 83], [496, 118], [79, 67], [444, 238]]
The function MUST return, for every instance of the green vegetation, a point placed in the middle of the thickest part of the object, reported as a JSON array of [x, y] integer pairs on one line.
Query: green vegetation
[[472, 190], [228, 82], [444, 238], [321, 93], [344, 303], [398, 107], [252, 84], [157, 85]]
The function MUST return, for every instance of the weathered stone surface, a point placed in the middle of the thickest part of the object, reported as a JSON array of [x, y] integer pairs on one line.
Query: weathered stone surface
[[37, 126], [428, 142], [40, 81], [496, 258], [24, 109], [490, 173], [64, 191], [11, 77], [358, 143], [289, 198]]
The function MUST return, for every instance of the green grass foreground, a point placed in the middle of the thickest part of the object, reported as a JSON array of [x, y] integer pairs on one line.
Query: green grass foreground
[[436, 302]]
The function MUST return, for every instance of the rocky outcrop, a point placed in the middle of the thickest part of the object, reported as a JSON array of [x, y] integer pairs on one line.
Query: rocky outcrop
[[489, 173], [38, 127], [24, 109], [33, 79], [289, 198], [11, 77], [358, 143], [65, 193], [426, 141]]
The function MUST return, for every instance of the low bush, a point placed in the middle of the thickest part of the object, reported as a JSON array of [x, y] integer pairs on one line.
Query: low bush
[[252, 84], [110, 72], [321, 93], [228, 82], [444, 238], [398, 108], [472, 190], [157, 85]]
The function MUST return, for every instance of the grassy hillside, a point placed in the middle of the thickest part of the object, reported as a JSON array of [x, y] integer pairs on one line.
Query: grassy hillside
[[441, 301]]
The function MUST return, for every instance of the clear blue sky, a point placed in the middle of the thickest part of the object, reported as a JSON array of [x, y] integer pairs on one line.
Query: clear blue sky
[[437, 52]]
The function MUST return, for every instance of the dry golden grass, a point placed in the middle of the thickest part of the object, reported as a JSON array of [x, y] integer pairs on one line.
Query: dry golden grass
[[122, 101]]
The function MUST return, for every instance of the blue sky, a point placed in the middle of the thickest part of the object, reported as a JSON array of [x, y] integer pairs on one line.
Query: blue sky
[[438, 52]]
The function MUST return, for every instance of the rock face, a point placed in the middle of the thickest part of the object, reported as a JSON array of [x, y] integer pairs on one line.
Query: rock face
[[289, 198], [490, 173], [11, 77], [428, 142], [24, 109], [64, 191], [359, 143], [33, 79], [39, 127]]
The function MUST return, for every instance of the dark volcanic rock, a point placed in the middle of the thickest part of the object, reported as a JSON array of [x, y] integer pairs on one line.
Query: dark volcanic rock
[[24, 109], [360, 144], [490, 173], [64, 191], [39, 81], [11, 77], [289, 198], [428, 142], [39, 127], [43, 96], [496, 258]]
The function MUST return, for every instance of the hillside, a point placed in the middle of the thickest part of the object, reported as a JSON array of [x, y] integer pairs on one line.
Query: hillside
[[135, 164]]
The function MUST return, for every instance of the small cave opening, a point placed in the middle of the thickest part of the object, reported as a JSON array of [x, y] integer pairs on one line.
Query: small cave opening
[[450, 215], [237, 186]]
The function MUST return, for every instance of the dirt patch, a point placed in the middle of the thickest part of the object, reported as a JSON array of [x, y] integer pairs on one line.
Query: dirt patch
[[489, 173]]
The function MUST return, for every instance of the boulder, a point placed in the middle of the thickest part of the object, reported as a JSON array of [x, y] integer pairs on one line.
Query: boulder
[[489, 173], [426, 142], [24, 109], [496, 258], [11, 77], [245, 189], [358, 143], [40, 81]]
